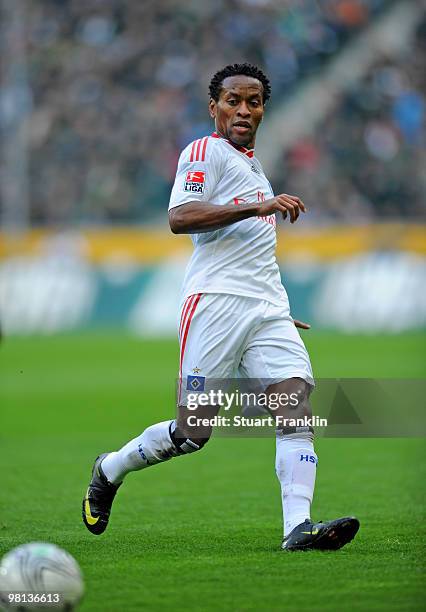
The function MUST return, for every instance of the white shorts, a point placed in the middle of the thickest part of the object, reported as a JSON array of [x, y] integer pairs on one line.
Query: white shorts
[[225, 336]]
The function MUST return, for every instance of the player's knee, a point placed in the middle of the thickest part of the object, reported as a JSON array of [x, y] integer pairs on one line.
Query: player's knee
[[300, 392], [297, 405]]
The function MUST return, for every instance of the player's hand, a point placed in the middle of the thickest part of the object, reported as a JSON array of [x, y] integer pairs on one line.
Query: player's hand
[[301, 324], [285, 204]]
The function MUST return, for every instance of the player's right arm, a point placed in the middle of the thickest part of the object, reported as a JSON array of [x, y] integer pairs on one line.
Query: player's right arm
[[199, 217], [200, 168]]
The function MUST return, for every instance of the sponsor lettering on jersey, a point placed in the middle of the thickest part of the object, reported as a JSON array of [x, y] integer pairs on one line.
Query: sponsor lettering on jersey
[[269, 218], [194, 181], [260, 198]]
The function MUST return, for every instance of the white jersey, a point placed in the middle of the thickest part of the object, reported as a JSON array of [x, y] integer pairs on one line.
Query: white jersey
[[238, 259]]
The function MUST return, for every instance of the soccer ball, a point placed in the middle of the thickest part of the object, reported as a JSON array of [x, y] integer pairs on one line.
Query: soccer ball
[[39, 575]]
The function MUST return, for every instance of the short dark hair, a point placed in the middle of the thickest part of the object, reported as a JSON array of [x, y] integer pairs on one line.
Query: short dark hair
[[235, 70]]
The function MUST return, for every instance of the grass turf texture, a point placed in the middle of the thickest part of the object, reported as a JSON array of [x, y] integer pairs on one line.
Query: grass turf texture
[[203, 532]]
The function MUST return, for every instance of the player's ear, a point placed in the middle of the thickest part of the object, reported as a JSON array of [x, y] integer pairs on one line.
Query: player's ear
[[212, 108]]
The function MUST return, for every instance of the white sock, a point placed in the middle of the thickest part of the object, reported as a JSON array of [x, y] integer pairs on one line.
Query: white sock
[[295, 466], [153, 446]]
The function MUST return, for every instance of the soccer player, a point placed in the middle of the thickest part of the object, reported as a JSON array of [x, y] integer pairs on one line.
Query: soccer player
[[235, 313]]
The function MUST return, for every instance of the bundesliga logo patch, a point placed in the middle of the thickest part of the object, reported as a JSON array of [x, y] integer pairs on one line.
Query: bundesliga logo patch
[[194, 181]]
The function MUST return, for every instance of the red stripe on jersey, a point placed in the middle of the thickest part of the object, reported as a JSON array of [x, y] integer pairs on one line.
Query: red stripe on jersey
[[192, 151], [203, 154], [197, 155], [186, 326]]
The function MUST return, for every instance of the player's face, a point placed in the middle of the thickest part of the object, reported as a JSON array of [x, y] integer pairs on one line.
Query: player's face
[[239, 110]]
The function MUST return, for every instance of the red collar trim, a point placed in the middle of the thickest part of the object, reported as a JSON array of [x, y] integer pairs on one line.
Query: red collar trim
[[248, 152]]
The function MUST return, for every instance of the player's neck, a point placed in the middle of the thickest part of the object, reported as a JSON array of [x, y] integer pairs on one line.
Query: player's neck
[[243, 149]]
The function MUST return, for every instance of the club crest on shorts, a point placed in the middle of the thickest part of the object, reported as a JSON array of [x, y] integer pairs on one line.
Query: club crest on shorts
[[194, 181], [195, 383]]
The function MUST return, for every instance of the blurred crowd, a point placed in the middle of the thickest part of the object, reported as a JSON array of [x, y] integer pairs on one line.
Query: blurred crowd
[[116, 88], [366, 160]]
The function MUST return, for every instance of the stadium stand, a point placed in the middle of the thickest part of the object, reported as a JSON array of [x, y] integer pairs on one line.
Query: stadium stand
[[117, 88], [364, 161]]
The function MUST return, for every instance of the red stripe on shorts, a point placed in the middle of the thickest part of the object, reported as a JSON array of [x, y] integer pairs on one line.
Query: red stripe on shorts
[[185, 329], [183, 316]]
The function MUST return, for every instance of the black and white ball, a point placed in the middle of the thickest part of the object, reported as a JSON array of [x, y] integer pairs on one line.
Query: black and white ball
[[40, 576]]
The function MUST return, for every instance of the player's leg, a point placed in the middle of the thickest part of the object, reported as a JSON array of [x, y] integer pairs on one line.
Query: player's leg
[[296, 460], [296, 464], [156, 444], [201, 352], [278, 347]]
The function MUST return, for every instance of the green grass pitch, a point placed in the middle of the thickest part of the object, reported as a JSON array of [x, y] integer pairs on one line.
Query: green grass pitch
[[203, 532]]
